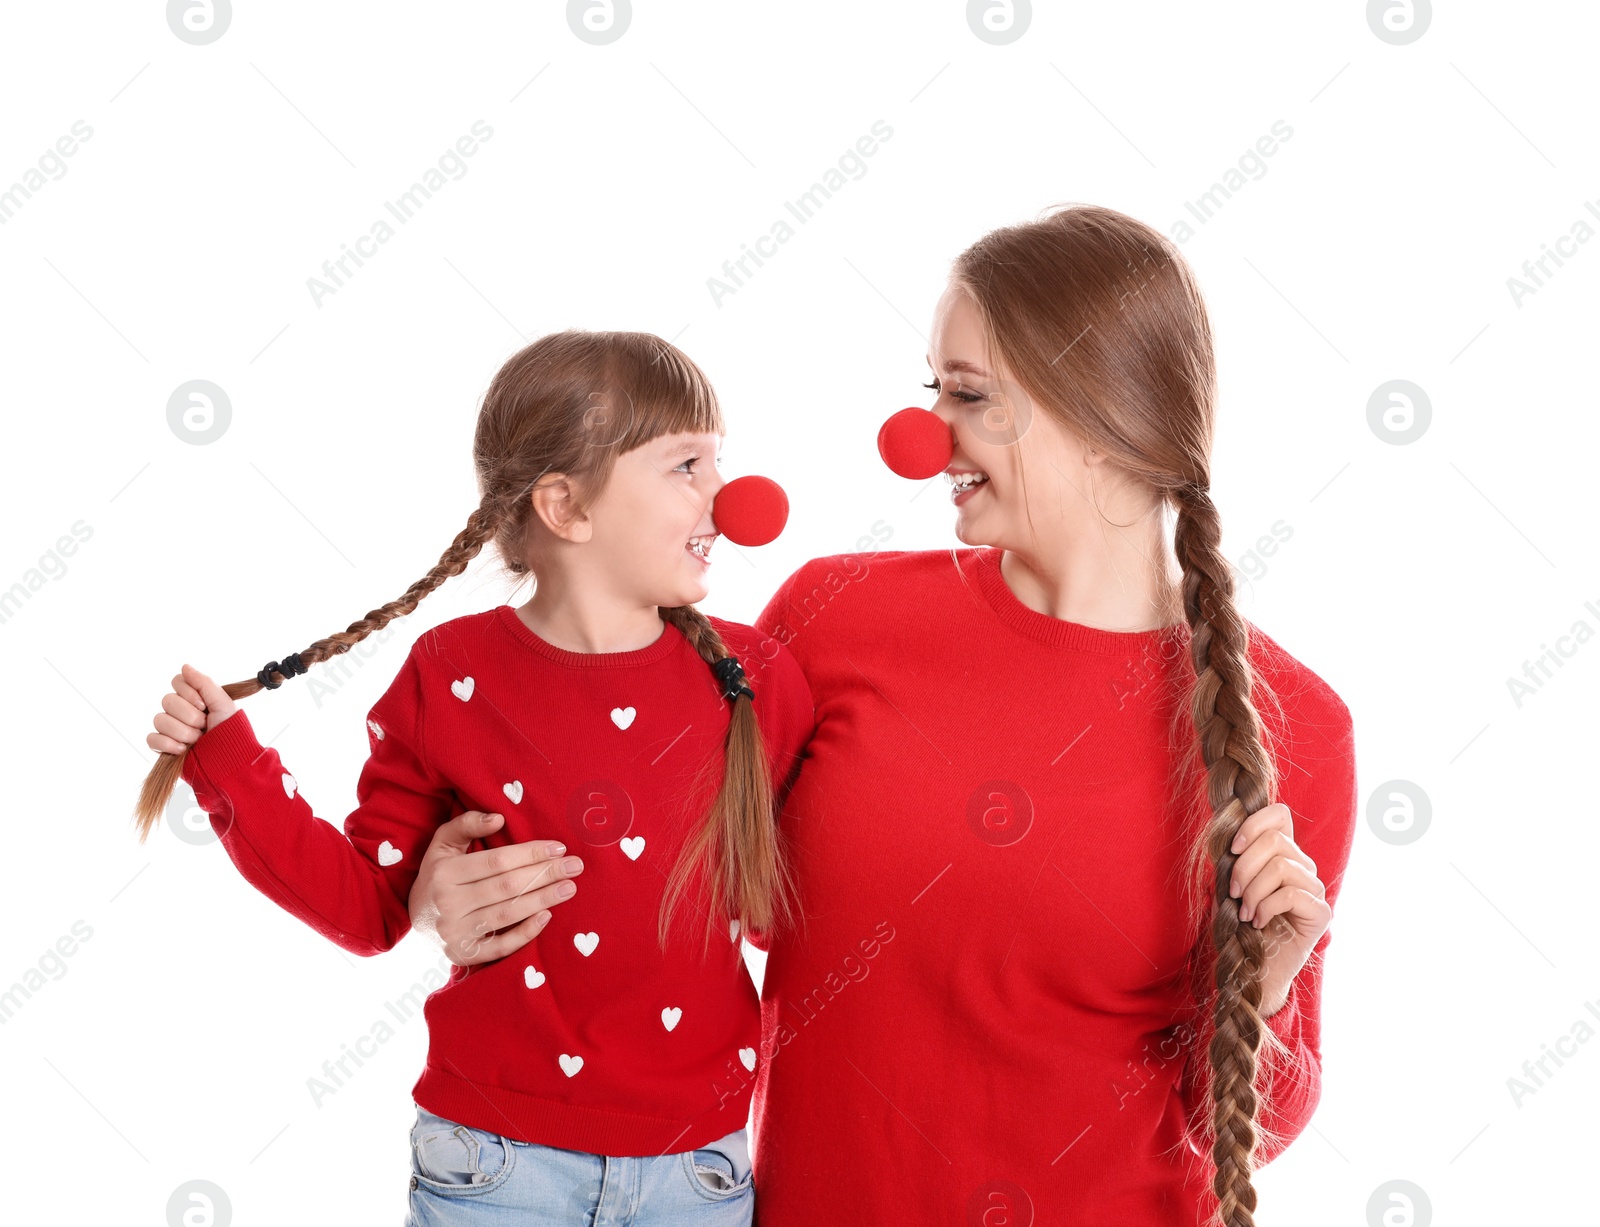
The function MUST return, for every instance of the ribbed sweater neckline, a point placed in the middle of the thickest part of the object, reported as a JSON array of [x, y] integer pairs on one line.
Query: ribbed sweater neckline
[[668, 641], [1058, 631]]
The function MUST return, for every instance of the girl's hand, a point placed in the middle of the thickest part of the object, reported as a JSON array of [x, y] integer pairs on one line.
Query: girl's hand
[[1274, 877], [195, 706], [487, 904]]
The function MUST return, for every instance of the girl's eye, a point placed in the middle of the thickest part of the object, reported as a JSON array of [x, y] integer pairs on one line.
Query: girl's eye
[[693, 460], [965, 397]]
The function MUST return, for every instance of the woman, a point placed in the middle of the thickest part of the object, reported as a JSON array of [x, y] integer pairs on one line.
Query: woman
[[1069, 831]]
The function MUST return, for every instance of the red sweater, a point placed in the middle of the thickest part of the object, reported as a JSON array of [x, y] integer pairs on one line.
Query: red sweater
[[983, 1020], [589, 1037]]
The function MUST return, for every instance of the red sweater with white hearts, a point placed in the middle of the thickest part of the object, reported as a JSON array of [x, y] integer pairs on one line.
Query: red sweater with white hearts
[[987, 1017], [589, 1037]]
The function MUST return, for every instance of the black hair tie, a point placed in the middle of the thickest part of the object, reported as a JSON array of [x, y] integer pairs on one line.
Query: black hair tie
[[289, 666], [731, 674]]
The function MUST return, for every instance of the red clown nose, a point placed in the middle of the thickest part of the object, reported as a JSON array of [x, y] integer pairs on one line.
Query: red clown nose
[[916, 443], [750, 510]]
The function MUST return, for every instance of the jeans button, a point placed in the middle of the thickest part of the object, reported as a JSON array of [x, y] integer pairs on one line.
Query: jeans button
[[413, 1183]]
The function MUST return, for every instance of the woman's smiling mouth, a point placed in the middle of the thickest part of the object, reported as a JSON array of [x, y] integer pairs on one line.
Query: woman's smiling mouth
[[963, 482]]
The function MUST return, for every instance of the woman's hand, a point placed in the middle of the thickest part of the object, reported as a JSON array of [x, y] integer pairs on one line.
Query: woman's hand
[[195, 706], [484, 905], [1274, 877]]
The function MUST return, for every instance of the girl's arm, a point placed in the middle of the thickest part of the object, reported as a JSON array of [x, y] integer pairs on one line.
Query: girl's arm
[[350, 886]]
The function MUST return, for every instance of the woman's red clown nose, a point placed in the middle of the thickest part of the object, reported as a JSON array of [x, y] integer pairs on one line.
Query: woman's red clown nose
[[916, 443], [750, 510]]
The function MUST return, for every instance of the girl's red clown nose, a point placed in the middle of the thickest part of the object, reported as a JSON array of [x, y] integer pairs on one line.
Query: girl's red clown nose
[[916, 443], [750, 510]]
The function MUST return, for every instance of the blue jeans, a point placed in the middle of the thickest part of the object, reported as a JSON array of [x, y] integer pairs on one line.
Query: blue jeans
[[464, 1175]]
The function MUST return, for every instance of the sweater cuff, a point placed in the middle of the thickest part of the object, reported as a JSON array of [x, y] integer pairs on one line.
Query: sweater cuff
[[223, 751]]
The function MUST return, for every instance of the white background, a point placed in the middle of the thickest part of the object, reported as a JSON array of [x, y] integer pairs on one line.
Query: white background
[[178, 242]]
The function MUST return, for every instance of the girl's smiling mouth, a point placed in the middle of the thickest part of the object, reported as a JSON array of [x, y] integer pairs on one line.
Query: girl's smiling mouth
[[700, 547]]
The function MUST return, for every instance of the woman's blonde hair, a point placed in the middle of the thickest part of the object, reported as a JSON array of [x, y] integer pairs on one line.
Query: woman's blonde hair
[[571, 403]]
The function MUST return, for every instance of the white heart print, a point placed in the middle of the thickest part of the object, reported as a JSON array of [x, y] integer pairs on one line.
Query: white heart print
[[289, 783], [670, 1016], [748, 1056], [376, 731], [388, 854], [463, 689], [586, 943], [570, 1065], [622, 717], [532, 978], [514, 791], [632, 846]]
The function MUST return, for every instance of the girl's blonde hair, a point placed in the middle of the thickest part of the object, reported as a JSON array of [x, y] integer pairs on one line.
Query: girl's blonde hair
[[1099, 319], [571, 403]]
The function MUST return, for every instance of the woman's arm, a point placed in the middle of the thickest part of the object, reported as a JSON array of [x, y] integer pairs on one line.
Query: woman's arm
[[1321, 796], [485, 905]]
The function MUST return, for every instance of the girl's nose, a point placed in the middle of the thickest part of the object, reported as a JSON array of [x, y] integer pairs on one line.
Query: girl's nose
[[750, 510]]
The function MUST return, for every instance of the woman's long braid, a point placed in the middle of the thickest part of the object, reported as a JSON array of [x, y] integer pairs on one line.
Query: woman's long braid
[[481, 527], [1241, 778]]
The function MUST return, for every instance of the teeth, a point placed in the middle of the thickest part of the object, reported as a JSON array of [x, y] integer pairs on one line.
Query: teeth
[[701, 546], [965, 481]]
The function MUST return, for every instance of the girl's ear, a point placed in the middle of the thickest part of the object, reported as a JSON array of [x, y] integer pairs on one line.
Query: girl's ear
[[555, 505]]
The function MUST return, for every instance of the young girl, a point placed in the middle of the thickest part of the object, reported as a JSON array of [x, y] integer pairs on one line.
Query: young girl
[[607, 1066]]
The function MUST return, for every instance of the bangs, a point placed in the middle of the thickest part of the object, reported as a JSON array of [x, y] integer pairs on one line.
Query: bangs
[[658, 391]]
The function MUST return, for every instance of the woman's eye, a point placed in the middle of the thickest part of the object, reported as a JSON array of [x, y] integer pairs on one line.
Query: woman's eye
[[965, 397], [687, 464]]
